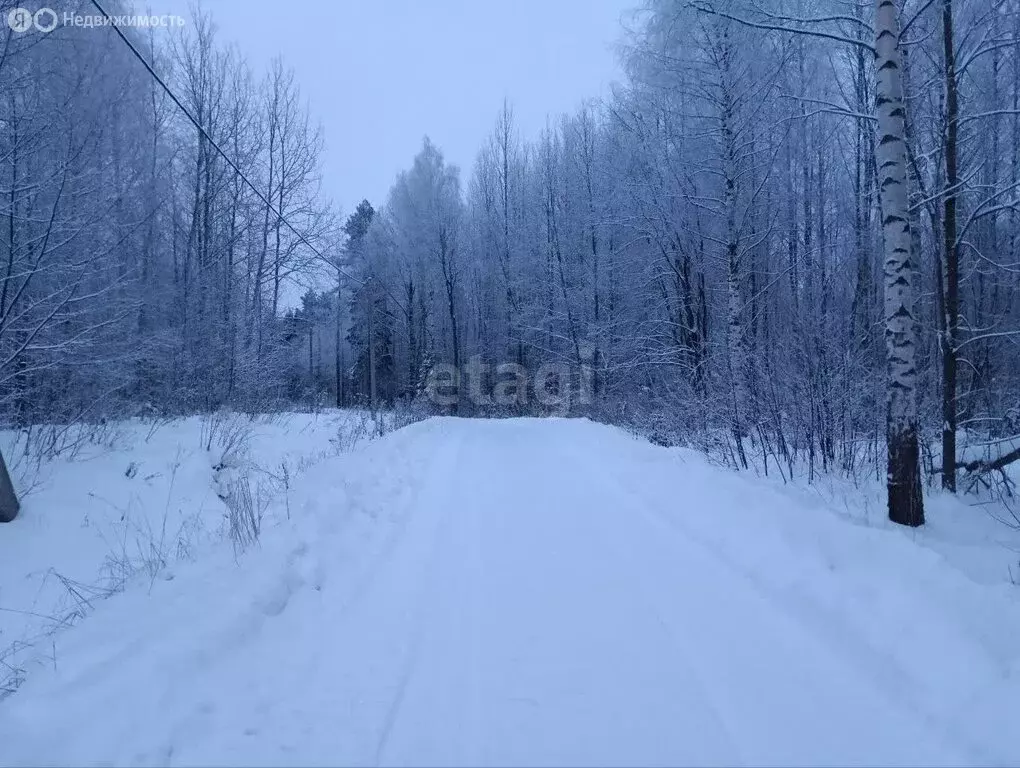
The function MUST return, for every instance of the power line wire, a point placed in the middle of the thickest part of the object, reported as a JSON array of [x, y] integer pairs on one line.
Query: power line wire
[[216, 146]]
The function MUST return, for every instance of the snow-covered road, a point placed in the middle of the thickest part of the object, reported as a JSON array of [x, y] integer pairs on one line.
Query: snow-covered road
[[518, 593]]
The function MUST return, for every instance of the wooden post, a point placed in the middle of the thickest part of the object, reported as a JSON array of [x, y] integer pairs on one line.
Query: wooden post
[[9, 504]]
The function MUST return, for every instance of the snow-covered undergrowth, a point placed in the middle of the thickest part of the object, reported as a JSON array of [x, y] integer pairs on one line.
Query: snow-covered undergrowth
[[110, 506], [516, 592]]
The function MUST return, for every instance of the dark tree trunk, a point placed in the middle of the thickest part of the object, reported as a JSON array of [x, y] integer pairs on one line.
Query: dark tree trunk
[[906, 505], [951, 254], [337, 343]]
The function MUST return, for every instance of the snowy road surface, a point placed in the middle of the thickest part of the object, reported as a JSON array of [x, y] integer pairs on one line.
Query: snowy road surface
[[530, 592]]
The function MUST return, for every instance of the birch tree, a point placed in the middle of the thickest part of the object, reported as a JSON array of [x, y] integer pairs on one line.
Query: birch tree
[[899, 269]]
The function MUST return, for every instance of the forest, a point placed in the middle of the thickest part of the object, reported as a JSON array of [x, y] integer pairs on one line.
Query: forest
[[790, 237]]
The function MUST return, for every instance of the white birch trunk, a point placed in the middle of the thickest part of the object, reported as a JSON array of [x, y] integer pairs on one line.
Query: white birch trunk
[[904, 483], [735, 341]]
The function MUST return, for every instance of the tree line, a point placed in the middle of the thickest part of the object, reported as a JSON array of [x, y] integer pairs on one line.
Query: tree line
[[792, 230], [140, 273]]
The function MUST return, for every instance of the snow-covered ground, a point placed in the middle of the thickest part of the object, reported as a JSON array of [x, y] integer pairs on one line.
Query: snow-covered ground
[[130, 500], [512, 592]]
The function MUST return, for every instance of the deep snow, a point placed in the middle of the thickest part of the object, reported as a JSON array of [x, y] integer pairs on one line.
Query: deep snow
[[526, 592]]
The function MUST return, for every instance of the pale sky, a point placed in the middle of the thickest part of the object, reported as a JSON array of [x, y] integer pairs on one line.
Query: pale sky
[[381, 74]]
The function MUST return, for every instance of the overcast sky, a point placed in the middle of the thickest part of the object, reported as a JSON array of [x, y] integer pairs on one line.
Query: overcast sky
[[381, 74]]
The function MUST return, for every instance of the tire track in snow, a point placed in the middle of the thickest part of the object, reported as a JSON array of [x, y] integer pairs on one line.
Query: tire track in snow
[[630, 561], [622, 639], [435, 496]]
